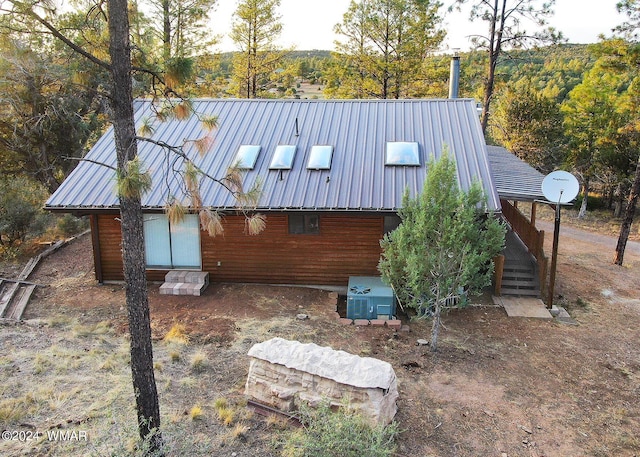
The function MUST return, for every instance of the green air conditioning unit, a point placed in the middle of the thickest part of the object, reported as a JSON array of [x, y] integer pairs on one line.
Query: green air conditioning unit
[[369, 298]]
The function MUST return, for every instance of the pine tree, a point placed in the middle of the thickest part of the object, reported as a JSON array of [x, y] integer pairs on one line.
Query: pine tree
[[505, 19], [254, 30], [443, 250], [385, 44]]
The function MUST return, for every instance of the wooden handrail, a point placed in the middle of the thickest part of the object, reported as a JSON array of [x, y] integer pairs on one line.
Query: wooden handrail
[[530, 236]]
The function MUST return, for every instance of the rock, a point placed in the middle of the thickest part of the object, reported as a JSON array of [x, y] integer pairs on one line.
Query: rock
[[302, 317], [422, 342], [526, 430], [284, 373]]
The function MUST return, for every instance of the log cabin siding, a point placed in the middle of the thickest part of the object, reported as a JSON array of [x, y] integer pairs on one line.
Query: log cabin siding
[[110, 251], [110, 247], [347, 245]]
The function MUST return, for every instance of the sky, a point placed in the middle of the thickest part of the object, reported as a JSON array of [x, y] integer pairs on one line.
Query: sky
[[308, 24]]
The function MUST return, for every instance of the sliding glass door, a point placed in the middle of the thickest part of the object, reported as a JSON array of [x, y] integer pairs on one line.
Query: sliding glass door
[[171, 246]]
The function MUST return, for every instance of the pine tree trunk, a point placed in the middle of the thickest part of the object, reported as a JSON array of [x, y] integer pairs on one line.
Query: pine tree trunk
[[435, 327], [625, 228], [585, 200], [166, 31], [137, 300]]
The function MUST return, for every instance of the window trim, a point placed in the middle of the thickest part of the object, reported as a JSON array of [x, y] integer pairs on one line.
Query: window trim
[[308, 227], [281, 159], [252, 150], [318, 153], [395, 150]]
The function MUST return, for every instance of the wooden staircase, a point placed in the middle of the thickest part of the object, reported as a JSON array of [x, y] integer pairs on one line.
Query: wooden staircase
[[520, 275]]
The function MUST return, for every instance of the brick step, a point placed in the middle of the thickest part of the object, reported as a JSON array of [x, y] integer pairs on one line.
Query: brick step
[[182, 288], [187, 276], [184, 282]]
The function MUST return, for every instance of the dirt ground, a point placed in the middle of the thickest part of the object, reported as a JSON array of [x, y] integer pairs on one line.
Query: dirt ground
[[498, 386]]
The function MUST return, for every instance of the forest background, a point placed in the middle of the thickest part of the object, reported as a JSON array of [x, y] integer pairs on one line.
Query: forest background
[[554, 104]]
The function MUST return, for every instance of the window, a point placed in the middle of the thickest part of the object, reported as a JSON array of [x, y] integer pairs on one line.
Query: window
[[402, 153], [304, 224], [391, 223], [320, 157], [172, 245], [283, 157], [246, 156]]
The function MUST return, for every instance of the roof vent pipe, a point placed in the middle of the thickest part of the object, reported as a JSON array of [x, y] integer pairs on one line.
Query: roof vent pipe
[[454, 76]]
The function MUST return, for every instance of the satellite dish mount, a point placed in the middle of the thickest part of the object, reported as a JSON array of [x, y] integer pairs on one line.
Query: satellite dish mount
[[559, 187]]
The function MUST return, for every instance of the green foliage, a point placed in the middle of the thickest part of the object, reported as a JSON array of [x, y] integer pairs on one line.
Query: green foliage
[[443, 249], [529, 125], [45, 115], [255, 28], [70, 225], [384, 47], [182, 26], [178, 71], [133, 182], [597, 114], [595, 202], [342, 433], [21, 201]]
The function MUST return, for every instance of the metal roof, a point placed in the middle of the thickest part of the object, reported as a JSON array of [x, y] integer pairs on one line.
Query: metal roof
[[514, 178], [358, 130]]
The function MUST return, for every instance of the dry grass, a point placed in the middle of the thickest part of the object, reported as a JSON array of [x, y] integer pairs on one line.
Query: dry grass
[[199, 361], [226, 416], [77, 377], [196, 412], [177, 334]]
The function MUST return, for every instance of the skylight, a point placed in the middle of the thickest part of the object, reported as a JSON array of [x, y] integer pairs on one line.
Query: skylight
[[320, 157], [246, 156], [283, 157], [402, 153]]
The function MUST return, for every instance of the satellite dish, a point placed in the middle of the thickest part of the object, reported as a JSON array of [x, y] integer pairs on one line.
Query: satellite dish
[[560, 187]]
